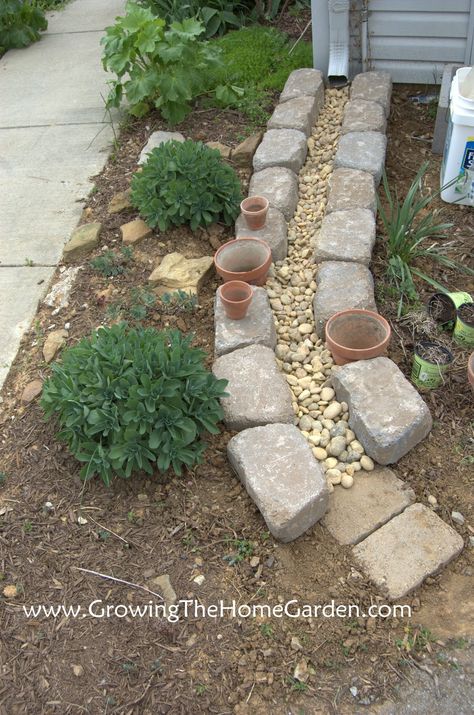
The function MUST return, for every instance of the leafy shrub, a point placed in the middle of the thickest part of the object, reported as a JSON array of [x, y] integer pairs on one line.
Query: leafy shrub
[[186, 182], [409, 226], [217, 16], [111, 263], [130, 400], [155, 66], [20, 23]]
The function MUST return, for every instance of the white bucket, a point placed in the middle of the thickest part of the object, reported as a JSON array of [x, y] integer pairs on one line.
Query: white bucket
[[458, 158]]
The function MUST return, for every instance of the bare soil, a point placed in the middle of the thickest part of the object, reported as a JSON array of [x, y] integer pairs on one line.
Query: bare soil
[[195, 525]]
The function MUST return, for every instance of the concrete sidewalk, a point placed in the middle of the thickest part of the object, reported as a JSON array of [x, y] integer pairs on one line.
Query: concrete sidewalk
[[54, 136]]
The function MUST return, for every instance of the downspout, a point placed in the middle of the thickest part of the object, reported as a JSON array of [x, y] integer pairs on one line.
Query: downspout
[[364, 36], [338, 69]]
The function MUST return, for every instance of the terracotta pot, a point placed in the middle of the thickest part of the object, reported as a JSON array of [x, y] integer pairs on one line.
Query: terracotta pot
[[357, 335], [244, 259], [254, 210], [470, 369], [235, 297]]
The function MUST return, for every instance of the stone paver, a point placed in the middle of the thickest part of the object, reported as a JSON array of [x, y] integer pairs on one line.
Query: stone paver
[[257, 328], [346, 236], [385, 411], [303, 83], [135, 231], [363, 116], [299, 113], [176, 272], [412, 546], [83, 240], [351, 189], [341, 285], [373, 87], [372, 501], [281, 147], [157, 139], [258, 392], [282, 477], [364, 151], [275, 233], [279, 186]]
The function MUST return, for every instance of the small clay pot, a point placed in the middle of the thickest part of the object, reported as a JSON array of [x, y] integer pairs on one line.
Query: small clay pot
[[470, 370], [357, 335], [235, 297], [244, 259], [254, 210]]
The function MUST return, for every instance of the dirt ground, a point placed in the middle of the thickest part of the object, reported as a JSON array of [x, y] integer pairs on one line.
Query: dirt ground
[[204, 524]]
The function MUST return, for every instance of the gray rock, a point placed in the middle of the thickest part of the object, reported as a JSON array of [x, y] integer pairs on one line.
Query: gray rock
[[299, 113], [351, 189], [373, 87], [385, 411], [83, 240], [363, 116], [258, 392], [409, 548], [275, 233], [257, 328], [279, 185], [281, 147], [243, 153], [304, 82], [280, 474], [341, 285], [374, 499], [364, 151], [156, 139], [346, 236]]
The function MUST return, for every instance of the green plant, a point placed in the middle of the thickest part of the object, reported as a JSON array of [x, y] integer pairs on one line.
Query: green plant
[[266, 630], [178, 301], [244, 549], [158, 67], [27, 526], [408, 227], [186, 182], [20, 23], [111, 263], [133, 399], [217, 16], [3, 478], [201, 689]]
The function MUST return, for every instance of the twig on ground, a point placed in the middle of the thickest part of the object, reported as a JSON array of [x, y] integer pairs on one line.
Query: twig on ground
[[119, 580]]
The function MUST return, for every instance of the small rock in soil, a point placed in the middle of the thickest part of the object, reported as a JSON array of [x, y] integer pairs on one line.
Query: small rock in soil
[[53, 343], [457, 517], [31, 391]]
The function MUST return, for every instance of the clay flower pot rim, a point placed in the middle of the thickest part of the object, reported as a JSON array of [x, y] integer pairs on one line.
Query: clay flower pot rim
[[232, 285], [359, 311], [470, 369], [257, 273], [257, 198]]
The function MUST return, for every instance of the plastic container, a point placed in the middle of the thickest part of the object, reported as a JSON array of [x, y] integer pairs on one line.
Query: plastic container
[[464, 326], [429, 373], [458, 158], [443, 306]]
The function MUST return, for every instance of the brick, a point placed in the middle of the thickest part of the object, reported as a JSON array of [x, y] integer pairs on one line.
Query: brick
[[373, 500], [386, 412], [281, 147], [304, 82], [346, 236], [373, 87], [351, 189], [299, 113], [279, 185], [401, 554], [257, 328], [364, 151], [363, 116], [275, 233], [341, 285], [280, 474], [258, 392]]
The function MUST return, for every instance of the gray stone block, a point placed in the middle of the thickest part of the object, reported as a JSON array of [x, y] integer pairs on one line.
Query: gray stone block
[[280, 474], [374, 499], [281, 147], [351, 189], [346, 236], [304, 82], [363, 116], [258, 392], [257, 328], [156, 139], [373, 87], [386, 412], [299, 113], [364, 151], [275, 233], [341, 285], [279, 186], [412, 546]]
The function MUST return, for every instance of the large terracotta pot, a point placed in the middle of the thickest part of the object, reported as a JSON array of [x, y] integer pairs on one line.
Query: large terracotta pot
[[244, 259], [254, 210], [235, 297], [357, 335]]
